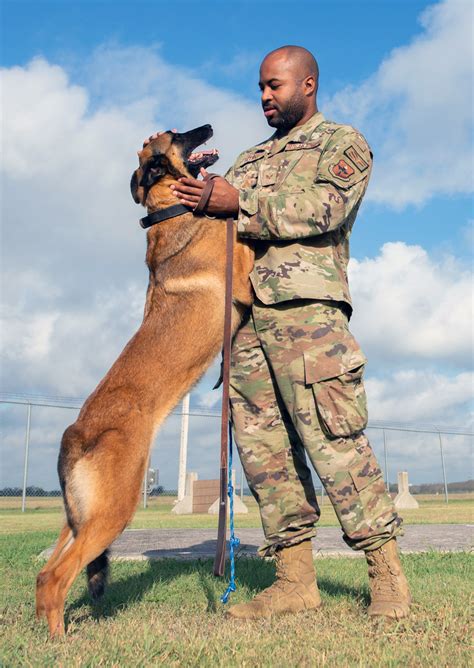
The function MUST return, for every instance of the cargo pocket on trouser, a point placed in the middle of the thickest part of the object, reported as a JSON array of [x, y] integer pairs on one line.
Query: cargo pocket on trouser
[[366, 472], [335, 374], [371, 519]]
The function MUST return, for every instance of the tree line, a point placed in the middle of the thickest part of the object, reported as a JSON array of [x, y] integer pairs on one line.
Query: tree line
[[426, 488]]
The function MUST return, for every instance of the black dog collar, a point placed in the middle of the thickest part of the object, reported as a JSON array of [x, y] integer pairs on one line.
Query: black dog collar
[[163, 214]]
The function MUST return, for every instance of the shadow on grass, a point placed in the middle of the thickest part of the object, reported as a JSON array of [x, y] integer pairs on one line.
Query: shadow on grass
[[254, 575]]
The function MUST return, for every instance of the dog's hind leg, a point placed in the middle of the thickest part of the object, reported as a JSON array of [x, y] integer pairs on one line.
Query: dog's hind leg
[[100, 496], [64, 540], [65, 537], [53, 584]]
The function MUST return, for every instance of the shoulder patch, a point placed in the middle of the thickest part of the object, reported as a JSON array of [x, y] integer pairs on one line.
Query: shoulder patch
[[342, 170], [353, 154]]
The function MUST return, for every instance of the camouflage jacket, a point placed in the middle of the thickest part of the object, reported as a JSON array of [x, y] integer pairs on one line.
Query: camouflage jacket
[[299, 196]]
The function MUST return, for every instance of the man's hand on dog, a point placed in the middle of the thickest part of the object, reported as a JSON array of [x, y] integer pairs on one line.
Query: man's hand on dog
[[224, 200]]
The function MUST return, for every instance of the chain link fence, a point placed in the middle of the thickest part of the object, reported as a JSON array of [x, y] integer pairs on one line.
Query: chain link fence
[[438, 458]]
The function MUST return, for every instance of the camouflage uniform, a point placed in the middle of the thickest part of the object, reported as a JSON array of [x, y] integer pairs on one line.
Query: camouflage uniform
[[296, 378]]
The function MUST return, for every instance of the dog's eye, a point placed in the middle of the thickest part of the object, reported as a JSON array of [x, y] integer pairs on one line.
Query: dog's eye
[[158, 161]]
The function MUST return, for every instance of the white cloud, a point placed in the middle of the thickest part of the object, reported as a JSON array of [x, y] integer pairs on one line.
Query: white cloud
[[411, 306], [64, 348], [417, 112], [412, 395], [72, 250]]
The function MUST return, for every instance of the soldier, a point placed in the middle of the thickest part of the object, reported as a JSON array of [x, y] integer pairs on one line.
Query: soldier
[[296, 380]]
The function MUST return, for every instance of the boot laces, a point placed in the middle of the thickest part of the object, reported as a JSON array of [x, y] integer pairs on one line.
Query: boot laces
[[384, 581], [281, 569], [279, 584]]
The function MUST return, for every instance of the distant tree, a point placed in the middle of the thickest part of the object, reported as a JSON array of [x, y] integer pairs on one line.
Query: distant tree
[[157, 491], [11, 491], [35, 491]]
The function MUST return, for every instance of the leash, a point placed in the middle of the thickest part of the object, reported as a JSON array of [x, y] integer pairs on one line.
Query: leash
[[226, 488], [222, 526], [234, 542]]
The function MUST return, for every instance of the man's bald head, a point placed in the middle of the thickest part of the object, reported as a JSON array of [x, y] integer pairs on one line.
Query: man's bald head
[[289, 82], [296, 58]]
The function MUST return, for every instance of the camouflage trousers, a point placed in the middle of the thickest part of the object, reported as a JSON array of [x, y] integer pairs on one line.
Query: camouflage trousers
[[296, 390]]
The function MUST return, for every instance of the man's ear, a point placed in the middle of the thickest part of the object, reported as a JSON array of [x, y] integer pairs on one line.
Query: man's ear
[[136, 190]]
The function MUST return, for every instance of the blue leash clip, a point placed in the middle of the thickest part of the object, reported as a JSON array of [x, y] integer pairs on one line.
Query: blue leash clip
[[234, 542]]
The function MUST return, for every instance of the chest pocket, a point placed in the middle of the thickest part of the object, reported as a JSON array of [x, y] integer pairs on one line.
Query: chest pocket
[[301, 164], [268, 173], [247, 171]]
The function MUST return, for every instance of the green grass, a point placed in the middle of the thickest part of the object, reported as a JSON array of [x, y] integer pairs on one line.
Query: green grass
[[46, 514], [168, 613]]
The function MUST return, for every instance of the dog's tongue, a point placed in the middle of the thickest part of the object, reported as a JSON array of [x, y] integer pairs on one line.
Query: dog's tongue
[[195, 157]]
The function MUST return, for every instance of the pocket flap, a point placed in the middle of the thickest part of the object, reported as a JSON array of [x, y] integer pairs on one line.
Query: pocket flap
[[365, 472], [299, 146], [332, 361], [250, 157], [268, 175]]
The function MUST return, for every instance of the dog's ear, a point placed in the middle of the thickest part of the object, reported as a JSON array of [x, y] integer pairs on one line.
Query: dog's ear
[[136, 190], [153, 171]]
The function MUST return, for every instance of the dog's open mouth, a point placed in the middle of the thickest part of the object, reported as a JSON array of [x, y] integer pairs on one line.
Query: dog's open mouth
[[190, 141], [202, 159]]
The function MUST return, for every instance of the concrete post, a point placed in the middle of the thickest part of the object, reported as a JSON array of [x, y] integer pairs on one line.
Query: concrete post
[[404, 500], [183, 448], [145, 485], [184, 506]]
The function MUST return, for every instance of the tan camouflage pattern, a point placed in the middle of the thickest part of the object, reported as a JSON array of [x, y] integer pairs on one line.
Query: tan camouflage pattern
[[296, 391], [299, 196]]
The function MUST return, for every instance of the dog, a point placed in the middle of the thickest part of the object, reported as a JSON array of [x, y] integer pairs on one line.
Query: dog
[[104, 454]]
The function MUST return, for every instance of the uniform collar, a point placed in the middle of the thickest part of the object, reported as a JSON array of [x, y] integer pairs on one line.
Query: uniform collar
[[300, 133]]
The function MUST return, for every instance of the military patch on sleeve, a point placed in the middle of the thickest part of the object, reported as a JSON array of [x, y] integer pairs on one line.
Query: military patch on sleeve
[[342, 170], [353, 154]]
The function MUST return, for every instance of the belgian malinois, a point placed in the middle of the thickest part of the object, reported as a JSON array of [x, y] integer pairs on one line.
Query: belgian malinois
[[104, 454]]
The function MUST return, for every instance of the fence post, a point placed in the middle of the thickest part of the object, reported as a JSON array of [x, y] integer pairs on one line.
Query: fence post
[[322, 493], [444, 469], [27, 449], [387, 480], [183, 448]]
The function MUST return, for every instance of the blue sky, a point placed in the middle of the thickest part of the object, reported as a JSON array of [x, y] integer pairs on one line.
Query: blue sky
[[84, 82], [224, 42]]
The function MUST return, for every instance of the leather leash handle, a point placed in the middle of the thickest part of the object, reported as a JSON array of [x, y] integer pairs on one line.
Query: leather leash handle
[[219, 561], [206, 194]]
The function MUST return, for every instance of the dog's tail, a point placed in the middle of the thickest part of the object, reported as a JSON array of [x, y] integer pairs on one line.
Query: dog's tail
[[97, 572]]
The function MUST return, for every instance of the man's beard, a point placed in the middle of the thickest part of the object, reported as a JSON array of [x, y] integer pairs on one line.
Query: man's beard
[[287, 118]]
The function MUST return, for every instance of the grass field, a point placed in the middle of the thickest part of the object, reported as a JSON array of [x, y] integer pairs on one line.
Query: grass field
[[168, 613], [45, 514]]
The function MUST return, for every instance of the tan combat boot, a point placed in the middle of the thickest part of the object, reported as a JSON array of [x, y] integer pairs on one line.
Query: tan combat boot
[[389, 593], [295, 588]]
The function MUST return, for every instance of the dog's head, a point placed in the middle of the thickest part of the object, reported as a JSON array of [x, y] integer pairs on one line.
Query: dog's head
[[171, 155]]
